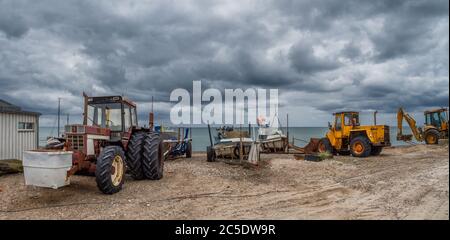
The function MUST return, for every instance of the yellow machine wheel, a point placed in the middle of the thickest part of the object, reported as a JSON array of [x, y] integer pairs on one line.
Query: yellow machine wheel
[[432, 136], [117, 170], [360, 147]]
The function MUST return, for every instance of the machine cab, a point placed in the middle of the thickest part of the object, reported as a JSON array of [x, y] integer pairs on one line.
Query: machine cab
[[344, 122], [114, 113], [437, 118]]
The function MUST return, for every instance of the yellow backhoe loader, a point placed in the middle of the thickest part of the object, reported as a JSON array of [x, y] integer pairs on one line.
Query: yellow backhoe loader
[[435, 128]]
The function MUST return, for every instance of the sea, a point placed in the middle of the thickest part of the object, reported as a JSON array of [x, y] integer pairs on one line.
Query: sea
[[200, 135]]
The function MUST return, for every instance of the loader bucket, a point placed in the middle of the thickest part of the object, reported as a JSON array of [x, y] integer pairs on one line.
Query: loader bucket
[[311, 147]]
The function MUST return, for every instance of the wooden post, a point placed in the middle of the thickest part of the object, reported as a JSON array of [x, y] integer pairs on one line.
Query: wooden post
[[210, 137], [240, 144], [287, 132]]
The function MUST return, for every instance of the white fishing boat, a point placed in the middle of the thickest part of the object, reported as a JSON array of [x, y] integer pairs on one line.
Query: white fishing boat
[[271, 137]]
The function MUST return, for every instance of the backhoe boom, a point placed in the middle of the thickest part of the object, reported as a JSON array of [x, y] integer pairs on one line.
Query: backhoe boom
[[401, 114]]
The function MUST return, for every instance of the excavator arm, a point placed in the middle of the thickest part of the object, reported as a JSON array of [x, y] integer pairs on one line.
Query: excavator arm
[[401, 114]]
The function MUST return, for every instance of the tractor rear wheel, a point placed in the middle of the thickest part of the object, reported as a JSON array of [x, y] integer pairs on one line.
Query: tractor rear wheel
[[376, 151], [432, 136], [153, 157], [110, 169], [210, 154], [360, 147], [325, 146], [134, 155], [189, 150]]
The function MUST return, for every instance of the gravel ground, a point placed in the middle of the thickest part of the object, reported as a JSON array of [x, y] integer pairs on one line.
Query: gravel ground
[[403, 183]]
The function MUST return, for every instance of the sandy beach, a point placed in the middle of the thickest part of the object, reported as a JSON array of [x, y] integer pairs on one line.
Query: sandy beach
[[402, 183]]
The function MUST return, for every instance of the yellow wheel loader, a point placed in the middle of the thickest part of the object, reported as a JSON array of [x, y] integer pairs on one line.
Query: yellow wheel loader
[[346, 136], [435, 128]]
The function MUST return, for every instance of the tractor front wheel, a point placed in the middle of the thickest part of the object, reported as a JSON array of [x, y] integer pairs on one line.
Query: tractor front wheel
[[153, 157], [325, 146], [432, 136], [360, 147], [110, 170]]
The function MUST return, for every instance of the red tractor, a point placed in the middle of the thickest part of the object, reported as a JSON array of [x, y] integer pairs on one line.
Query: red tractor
[[110, 141]]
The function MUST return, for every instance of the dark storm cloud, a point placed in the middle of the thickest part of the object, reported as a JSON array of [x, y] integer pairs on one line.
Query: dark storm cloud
[[303, 60], [342, 54]]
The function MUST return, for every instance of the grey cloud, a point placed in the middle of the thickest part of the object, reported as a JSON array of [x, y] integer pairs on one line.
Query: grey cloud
[[335, 50], [303, 60]]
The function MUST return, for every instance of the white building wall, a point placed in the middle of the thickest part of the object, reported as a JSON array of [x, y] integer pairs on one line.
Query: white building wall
[[12, 141]]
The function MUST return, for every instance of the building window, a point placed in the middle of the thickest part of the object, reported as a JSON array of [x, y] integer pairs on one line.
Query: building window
[[25, 126]]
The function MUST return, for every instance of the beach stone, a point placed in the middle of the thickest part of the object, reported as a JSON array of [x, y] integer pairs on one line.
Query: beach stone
[[443, 142]]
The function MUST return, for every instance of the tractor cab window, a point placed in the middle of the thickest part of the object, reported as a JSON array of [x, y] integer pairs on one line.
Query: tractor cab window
[[127, 116], [106, 115], [351, 119], [95, 115], [133, 117], [113, 116]]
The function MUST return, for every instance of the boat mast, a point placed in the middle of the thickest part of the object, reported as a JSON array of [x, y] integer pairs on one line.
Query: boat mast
[[59, 112]]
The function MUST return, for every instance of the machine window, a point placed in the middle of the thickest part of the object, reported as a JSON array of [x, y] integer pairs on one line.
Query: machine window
[[435, 119], [127, 116], [25, 126], [133, 117], [338, 125], [443, 117], [351, 119]]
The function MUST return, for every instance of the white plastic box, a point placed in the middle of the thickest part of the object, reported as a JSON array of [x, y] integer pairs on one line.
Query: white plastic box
[[47, 168]]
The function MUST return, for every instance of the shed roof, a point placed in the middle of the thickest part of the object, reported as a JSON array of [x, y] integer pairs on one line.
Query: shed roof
[[6, 107]]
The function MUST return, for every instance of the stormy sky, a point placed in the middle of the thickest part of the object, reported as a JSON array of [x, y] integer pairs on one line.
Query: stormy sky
[[323, 56]]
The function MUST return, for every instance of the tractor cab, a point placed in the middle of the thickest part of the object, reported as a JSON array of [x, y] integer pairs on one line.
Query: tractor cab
[[437, 118], [113, 112]]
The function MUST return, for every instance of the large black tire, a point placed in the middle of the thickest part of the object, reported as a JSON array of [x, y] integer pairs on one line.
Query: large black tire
[[431, 136], [210, 154], [376, 150], [152, 158], [110, 179], [189, 150], [360, 147], [134, 154], [325, 146]]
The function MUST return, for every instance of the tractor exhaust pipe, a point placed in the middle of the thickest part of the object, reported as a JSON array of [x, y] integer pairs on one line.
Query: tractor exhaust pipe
[[151, 122], [375, 117]]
